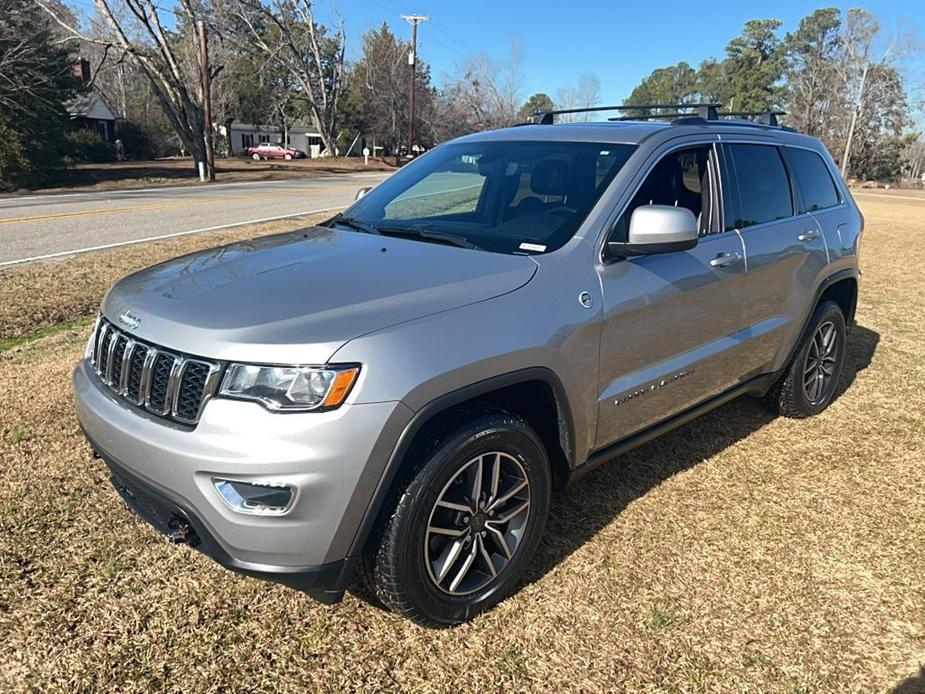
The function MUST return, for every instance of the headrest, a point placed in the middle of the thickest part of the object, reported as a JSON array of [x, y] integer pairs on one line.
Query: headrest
[[549, 177]]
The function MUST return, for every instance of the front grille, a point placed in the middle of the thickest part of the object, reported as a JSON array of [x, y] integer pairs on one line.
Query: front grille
[[165, 383]]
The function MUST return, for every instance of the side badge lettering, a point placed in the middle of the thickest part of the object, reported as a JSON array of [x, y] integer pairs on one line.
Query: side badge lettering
[[652, 387]]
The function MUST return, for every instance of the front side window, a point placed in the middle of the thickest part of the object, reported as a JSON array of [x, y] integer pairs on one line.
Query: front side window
[[682, 179], [762, 184], [817, 189], [501, 196]]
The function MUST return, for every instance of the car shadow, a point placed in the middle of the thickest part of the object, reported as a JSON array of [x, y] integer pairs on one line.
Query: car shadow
[[912, 685], [594, 501]]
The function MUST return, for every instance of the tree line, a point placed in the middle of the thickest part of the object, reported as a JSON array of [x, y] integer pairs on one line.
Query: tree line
[[836, 75], [273, 62]]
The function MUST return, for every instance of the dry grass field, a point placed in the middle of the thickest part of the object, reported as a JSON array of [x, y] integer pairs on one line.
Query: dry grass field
[[741, 553]]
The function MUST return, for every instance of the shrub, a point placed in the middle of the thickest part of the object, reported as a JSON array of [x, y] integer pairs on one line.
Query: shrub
[[136, 141], [90, 146]]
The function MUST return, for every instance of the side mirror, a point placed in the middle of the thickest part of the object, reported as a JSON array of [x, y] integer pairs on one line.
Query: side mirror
[[361, 192], [657, 229]]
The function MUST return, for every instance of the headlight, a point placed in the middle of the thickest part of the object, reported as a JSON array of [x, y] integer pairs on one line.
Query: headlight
[[289, 388]]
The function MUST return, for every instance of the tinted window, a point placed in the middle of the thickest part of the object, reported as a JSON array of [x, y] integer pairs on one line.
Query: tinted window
[[763, 186], [681, 179], [503, 196], [813, 179]]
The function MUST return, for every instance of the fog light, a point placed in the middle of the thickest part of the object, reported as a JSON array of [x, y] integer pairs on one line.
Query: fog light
[[261, 499]]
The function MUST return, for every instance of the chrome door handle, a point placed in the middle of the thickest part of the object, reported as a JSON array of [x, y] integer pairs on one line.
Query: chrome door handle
[[808, 235], [726, 259]]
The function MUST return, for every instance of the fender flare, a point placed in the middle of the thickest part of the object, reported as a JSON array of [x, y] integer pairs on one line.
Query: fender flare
[[422, 416], [835, 277]]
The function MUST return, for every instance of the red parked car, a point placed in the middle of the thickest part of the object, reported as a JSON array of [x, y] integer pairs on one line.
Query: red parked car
[[269, 150]]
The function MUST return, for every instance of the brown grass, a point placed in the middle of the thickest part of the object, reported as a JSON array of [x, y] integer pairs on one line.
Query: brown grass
[[741, 553], [38, 295]]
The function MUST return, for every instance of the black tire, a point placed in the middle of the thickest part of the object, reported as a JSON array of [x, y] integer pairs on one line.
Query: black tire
[[790, 397], [399, 568]]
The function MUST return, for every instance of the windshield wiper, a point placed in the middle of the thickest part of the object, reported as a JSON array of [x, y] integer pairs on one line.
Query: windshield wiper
[[354, 224], [428, 235]]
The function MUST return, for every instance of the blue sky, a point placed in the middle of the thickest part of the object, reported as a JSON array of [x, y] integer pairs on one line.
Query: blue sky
[[619, 41]]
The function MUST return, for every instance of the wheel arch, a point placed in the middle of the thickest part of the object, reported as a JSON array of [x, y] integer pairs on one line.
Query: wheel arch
[[844, 292], [535, 393], [840, 287]]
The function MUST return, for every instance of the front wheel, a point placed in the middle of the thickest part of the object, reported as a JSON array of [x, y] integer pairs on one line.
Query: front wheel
[[809, 384], [467, 524], [255, 157], [288, 157]]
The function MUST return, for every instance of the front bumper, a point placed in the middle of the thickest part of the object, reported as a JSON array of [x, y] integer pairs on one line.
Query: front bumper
[[334, 461]]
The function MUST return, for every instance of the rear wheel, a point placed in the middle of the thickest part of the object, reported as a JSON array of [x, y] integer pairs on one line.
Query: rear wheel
[[809, 384], [467, 523], [288, 157]]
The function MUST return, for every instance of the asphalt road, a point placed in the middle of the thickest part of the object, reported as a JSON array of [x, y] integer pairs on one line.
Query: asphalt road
[[45, 226]]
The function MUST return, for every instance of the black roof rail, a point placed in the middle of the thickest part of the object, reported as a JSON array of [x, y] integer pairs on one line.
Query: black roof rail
[[763, 117], [676, 118], [705, 111]]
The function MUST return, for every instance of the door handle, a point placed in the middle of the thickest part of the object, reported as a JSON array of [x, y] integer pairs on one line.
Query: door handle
[[808, 235], [726, 259]]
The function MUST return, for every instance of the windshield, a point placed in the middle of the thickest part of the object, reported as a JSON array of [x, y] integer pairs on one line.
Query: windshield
[[501, 196]]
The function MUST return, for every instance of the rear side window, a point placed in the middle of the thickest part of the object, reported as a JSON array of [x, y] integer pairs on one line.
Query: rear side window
[[763, 186], [813, 179]]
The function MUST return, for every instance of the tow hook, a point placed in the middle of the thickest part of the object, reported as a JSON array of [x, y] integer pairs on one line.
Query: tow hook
[[179, 531]]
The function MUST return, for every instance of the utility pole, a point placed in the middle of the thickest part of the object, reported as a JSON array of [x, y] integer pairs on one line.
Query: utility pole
[[414, 20], [206, 101]]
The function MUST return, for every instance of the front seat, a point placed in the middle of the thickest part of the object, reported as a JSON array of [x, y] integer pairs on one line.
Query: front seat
[[548, 178]]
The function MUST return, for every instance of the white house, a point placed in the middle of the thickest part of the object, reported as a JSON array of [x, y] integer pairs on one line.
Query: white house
[[240, 136], [90, 111]]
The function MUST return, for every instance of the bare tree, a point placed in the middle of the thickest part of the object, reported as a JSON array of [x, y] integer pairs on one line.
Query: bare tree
[[567, 98], [287, 34], [490, 91], [872, 85], [155, 50], [589, 92], [914, 160]]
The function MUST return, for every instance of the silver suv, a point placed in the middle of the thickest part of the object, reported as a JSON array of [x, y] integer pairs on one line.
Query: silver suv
[[386, 401]]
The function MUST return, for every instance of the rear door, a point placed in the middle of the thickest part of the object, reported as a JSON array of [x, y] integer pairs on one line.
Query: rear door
[[785, 254], [667, 339], [818, 195]]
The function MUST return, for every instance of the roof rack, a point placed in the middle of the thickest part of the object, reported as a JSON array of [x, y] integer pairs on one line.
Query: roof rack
[[763, 117], [705, 111], [681, 114]]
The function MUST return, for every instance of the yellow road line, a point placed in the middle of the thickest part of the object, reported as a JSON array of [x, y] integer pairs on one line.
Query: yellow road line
[[160, 206]]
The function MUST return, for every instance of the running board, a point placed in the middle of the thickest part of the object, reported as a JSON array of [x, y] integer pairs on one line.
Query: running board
[[754, 386]]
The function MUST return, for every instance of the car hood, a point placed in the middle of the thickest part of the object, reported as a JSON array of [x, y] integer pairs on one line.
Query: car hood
[[298, 297]]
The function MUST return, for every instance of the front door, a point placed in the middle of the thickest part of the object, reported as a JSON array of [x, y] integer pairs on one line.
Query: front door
[[668, 338]]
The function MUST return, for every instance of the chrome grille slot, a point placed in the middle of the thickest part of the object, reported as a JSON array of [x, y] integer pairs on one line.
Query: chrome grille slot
[[102, 350], [136, 365], [159, 382], [193, 381], [119, 346], [167, 384]]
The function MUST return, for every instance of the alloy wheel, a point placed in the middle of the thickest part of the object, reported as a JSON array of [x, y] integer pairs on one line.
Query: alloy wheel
[[477, 523], [819, 367]]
